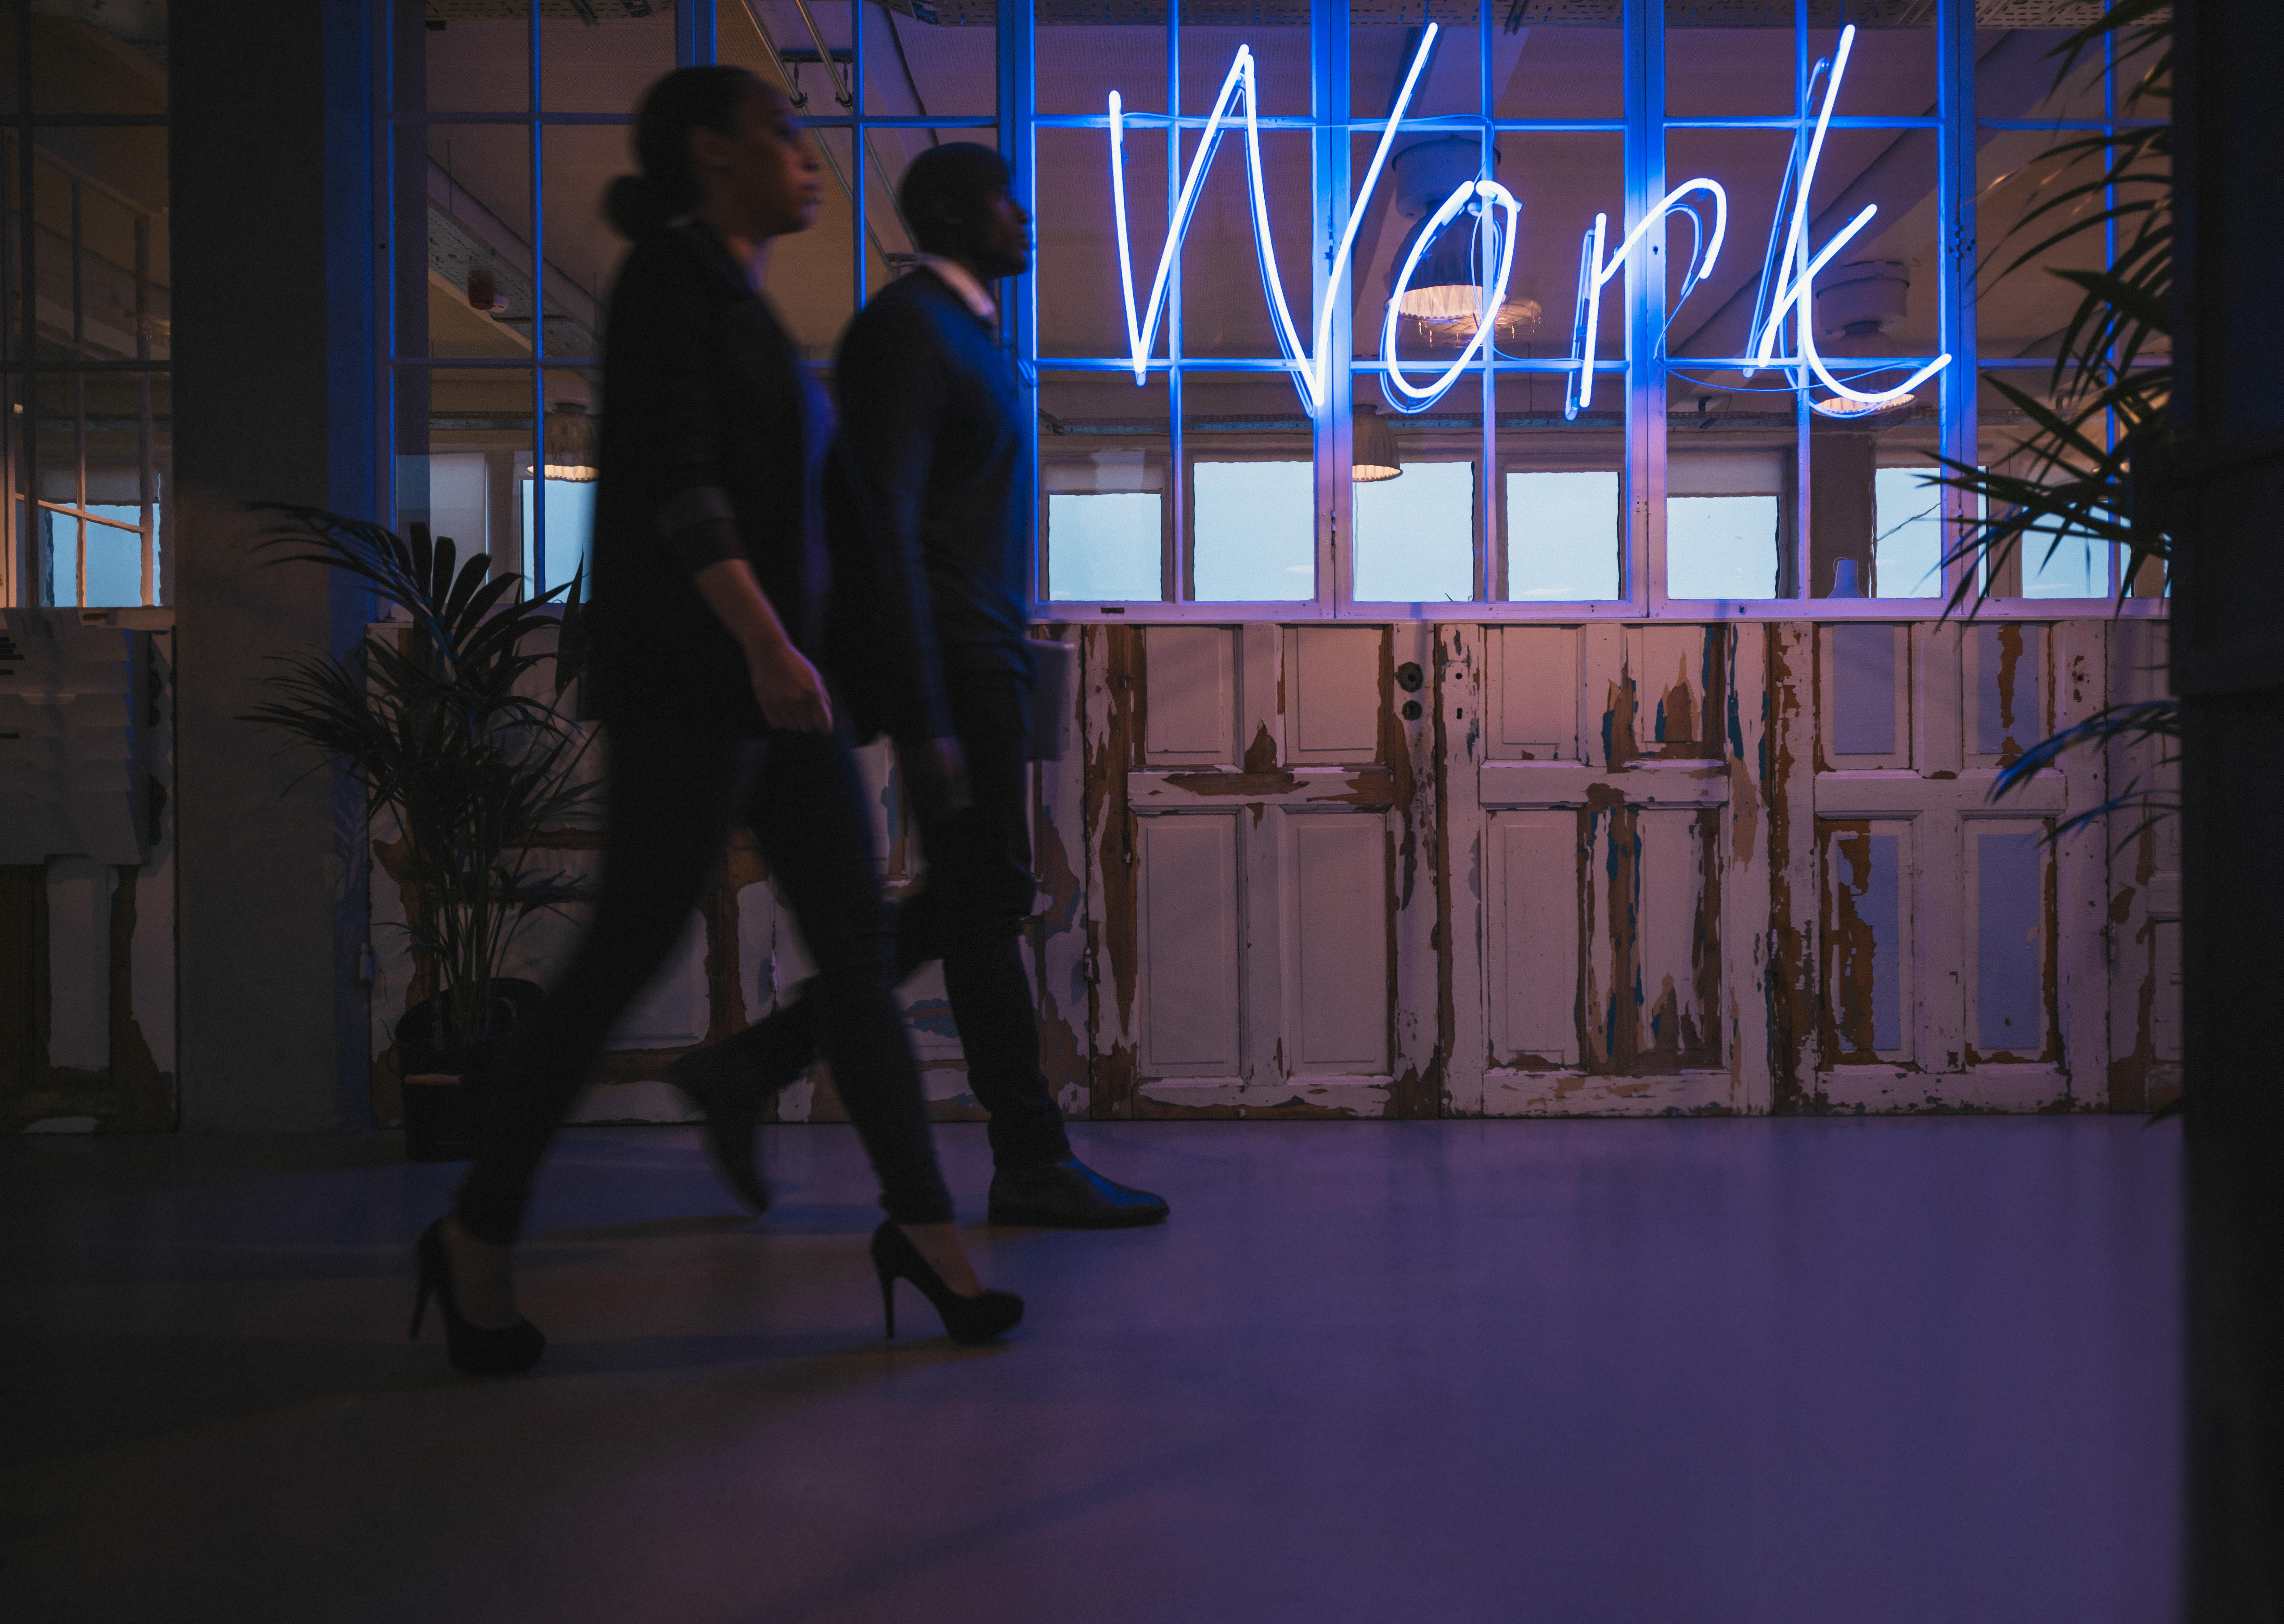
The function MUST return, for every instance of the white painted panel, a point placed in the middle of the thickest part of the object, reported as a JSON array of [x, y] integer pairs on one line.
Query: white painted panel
[[1671, 890], [2005, 690], [1189, 934], [1868, 966], [1332, 699], [154, 955], [1191, 707], [1534, 972], [1866, 695], [2005, 887], [672, 1012], [1668, 664], [79, 962], [2165, 1007], [1340, 1009], [1538, 692]]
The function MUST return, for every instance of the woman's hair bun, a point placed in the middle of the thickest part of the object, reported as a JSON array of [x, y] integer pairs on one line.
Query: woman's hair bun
[[636, 206]]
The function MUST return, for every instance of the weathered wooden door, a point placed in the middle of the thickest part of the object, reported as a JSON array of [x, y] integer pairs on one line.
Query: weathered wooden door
[[1951, 953], [1591, 788], [1259, 894], [1604, 868]]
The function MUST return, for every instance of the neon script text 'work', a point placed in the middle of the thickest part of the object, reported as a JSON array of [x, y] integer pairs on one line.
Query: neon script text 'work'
[[1485, 198]]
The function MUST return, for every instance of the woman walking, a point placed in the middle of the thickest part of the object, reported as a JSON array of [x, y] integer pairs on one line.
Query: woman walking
[[709, 602]]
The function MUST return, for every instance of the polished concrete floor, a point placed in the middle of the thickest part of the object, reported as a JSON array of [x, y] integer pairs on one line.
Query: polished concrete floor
[[1664, 1372]]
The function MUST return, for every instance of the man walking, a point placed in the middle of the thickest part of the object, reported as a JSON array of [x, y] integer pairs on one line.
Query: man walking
[[931, 564]]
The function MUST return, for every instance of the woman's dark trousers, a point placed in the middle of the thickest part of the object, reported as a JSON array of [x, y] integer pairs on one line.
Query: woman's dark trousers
[[671, 801], [970, 914]]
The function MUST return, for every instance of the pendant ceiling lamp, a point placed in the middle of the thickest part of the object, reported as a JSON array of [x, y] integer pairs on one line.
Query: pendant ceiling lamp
[[1373, 450], [1448, 285], [570, 443]]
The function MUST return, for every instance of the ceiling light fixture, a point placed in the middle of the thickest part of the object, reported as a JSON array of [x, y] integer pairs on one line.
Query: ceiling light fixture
[[571, 443], [1372, 451]]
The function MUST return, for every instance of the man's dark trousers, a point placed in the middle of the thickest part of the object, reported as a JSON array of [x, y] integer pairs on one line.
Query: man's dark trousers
[[969, 912]]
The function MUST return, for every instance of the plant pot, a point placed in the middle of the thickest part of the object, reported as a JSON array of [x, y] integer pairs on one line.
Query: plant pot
[[443, 1085]]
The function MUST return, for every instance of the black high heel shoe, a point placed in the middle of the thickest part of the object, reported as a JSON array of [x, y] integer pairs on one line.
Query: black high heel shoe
[[968, 1320], [474, 1350]]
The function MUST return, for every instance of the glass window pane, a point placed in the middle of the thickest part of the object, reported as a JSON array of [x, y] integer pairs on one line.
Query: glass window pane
[[470, 65], [1081, 309], [921, 62], [1254, 530], [87, 58], [1560, 524], [60, 561], [1103, 450], [570, 531], [1415, 535], [576, 163], [465, 438], [1104, 546], [1080, 64], [1383, 41], [477, 290], [459, 500], [2031, 565], [1226, 310], [1562, 535], [2014, 76], [1720, 547], [1891, 66], [115, 561], [1717, 70], [1545, 66], [1559, 178], [1280, 63], [1907, 539], [2072, 566], [603, 64]]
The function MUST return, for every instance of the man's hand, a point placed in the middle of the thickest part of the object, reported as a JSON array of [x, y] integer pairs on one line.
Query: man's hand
[[936, 770], [787, 688]]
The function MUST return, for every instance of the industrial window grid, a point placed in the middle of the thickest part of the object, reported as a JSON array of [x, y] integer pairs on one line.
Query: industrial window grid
[[1643, 374], [41, 433]]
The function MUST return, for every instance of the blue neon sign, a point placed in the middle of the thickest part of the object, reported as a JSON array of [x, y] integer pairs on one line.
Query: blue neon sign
[[1796, 268]]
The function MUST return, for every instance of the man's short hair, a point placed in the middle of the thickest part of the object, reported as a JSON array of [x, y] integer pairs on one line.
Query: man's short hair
[[944, 184]]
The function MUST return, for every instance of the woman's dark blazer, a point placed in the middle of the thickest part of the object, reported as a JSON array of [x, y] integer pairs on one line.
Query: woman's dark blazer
[[707, 413]]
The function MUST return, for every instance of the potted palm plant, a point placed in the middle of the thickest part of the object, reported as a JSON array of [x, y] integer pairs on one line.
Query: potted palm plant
[[2094, 464], [454, 716]]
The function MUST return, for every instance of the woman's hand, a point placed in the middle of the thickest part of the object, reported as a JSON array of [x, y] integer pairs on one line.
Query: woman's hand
[[787, 688], [785, 685]]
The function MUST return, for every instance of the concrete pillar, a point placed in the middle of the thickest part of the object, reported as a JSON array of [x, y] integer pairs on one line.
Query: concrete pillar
[[275, 308]]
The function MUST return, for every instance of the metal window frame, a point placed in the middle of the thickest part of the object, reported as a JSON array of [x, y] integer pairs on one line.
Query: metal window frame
[[694, 30], [26, 579], [1646, 132], [1331, 124]]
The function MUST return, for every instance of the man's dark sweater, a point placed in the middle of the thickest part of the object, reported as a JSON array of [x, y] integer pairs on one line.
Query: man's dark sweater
[[932, 430]]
